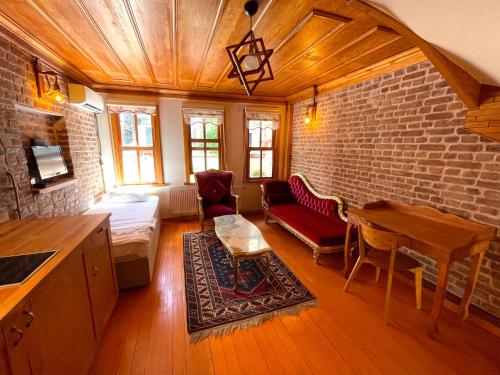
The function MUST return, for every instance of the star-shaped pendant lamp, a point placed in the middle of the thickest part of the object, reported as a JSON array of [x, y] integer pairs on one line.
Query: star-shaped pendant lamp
[[250, 58]]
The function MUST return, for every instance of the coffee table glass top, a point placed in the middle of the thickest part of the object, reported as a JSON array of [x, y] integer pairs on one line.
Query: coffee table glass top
[[241, 237]]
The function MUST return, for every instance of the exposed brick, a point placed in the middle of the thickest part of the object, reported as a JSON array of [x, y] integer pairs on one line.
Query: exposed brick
[[399, 149]]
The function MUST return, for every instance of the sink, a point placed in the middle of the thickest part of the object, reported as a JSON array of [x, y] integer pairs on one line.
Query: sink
[[16, 269]]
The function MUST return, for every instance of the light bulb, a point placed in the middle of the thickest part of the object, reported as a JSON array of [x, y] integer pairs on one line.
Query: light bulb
[[307, 120], [58, 97], [251, 62]]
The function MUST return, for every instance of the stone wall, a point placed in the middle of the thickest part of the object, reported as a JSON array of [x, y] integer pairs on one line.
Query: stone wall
[[401, 137], [74, 129]]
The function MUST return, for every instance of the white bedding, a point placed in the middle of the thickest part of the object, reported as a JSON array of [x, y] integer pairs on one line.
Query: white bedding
[[130, 222]]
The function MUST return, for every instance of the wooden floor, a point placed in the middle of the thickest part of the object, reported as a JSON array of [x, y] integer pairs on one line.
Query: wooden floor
[[346, 335]]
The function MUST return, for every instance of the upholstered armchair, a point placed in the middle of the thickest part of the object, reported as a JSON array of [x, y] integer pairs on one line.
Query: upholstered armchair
[[214, 195]]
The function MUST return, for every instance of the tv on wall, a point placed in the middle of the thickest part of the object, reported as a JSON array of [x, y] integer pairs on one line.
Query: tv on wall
[[49, 161]]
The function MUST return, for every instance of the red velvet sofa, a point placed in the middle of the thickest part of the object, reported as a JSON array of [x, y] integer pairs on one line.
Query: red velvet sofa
[[316, 219]]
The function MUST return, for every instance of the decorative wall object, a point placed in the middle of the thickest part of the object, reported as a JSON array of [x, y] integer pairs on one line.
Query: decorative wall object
[[49, 82], [311, 109]]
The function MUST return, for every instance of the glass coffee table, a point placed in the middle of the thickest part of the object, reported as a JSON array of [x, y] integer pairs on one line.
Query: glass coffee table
[[243, 240]]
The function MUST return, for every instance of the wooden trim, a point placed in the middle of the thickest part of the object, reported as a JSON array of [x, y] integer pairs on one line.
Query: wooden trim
[[396, 62], [117, 148], [188, 148], [463, 83], [485, 119], [288, 143], [274, 148]]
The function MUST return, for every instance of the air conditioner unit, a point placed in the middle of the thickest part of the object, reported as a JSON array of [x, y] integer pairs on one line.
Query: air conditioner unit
[[83, 97]]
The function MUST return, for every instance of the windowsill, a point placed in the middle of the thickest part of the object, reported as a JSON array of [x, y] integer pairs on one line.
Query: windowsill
[[258, 180]]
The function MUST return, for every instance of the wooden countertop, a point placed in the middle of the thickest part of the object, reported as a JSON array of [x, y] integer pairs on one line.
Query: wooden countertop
[[37, 235]]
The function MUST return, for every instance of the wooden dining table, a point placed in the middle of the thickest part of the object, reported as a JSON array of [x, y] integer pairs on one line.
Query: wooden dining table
[[442, 236]]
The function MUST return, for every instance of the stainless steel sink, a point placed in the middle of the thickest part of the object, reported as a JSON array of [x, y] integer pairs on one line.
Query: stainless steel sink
[[16, 269]]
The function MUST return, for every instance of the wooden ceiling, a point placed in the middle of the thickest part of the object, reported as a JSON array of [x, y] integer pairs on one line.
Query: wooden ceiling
[[178, 46]]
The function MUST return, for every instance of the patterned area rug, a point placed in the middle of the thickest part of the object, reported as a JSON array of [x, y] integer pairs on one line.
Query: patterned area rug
[[213, 308]]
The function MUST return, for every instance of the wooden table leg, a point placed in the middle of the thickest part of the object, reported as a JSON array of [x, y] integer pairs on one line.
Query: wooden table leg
[[347, 250], [444, 270], [235, 272], [477, 259]]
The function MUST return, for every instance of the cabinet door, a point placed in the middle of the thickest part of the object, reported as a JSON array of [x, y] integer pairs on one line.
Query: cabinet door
[[62, 331], [102, 287], [14, 355]]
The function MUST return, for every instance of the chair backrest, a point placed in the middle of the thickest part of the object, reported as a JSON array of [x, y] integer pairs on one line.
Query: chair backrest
[[377, 238], [210, 182]]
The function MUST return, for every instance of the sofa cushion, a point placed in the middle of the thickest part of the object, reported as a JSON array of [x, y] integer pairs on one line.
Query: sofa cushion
[[322, 230], [215, 210], [277, 192], [213, 191], [327, 207]]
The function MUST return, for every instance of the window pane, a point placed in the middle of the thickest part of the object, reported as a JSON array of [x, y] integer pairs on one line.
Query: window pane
[[254, 137], [145, 129], [254, 164], [212, 159], [267, 163], [212, 145], [267, 137], [198, 160], [147, 164], [130, 167], [127, 129], [196, 128], [197, 144], [211, 131]]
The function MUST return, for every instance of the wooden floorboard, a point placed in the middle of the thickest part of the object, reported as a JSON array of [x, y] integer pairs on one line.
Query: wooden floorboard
[[345, 334]]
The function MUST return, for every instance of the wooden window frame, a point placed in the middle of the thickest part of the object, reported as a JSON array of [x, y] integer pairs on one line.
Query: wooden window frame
[[248, 149], [188, 149], [117, 147]]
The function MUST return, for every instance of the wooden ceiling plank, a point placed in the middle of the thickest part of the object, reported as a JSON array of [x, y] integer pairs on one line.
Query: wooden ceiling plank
[[409, 57], [93, 23], [112, 17], [208, 44], [34, 47], [373, 39], [463, 83]]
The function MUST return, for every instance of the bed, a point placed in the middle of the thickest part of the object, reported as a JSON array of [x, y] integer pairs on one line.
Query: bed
[[135, 232]]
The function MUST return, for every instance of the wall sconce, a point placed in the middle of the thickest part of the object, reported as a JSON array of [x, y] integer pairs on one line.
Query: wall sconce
[[48, 82], [311, 109]]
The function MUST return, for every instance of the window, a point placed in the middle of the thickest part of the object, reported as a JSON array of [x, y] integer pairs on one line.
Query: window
[[203, 140], [260, 143], [136, 144]]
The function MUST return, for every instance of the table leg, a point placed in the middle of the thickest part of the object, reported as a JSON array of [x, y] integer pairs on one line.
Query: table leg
[[477, 259], [347, 250], [444, 270], [235, 265]]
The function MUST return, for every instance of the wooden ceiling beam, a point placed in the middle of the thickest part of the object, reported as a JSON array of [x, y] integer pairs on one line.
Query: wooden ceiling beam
[[466, 86]]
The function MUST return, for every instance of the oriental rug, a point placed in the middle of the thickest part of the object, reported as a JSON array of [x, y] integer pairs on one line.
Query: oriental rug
[[213, 308]]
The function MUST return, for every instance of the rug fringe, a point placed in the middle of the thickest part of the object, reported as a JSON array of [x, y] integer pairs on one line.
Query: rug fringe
[[251, 322]]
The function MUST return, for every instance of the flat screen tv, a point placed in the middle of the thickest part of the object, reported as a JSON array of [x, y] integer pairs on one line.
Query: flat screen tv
[[49, 161]]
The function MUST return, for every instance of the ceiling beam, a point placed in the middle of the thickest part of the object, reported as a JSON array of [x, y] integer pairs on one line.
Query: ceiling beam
[[466, 86]]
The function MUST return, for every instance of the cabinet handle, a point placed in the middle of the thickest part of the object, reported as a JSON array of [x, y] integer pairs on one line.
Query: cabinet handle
[[31, 315], [19, 333], [95, 270], [99, 230]]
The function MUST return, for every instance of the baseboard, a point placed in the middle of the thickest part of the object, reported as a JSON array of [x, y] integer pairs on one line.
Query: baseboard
[[476, 316]]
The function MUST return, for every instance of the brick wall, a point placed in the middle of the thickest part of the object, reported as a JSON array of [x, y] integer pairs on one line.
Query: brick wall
[[401, 137], [75, 130]]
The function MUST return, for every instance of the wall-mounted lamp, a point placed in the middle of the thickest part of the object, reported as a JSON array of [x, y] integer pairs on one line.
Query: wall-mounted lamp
[[311, 109], [48, 82]]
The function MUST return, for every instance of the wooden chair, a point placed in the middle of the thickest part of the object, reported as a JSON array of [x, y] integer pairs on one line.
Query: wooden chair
[[383, 254]]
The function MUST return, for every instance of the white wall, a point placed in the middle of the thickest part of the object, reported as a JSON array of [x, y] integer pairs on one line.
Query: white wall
[[172, 145]]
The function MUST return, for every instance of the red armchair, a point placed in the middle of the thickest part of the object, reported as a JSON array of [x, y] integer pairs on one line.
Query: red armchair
[[214, 195]]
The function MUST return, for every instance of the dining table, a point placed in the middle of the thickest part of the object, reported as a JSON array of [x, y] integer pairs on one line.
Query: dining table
[[444, 237]]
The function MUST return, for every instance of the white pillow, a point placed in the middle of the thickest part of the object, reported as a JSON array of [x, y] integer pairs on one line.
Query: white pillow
[[122, 197]]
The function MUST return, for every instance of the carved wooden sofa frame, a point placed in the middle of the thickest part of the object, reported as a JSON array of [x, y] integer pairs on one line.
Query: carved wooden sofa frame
[[317, 249]]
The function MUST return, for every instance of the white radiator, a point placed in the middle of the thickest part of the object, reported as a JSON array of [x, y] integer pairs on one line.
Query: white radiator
[[183, 200]]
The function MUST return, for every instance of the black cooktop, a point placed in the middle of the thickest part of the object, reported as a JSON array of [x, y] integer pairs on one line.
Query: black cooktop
[[16, 269]]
